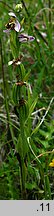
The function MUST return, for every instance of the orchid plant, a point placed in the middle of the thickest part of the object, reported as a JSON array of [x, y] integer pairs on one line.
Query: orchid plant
[[19, 95]]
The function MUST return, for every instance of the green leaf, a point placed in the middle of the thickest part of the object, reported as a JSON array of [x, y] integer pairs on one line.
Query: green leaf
[[27, 76], [33, 106], [30, 186]]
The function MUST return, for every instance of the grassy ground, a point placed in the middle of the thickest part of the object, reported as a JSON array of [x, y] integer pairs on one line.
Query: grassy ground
[[27, 100]]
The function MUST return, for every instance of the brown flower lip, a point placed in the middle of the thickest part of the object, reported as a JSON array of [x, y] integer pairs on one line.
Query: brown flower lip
[[22, 101], [21, 83]]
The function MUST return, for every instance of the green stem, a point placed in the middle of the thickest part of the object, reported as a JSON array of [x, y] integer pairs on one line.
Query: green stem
[[23, 171], [50, 11], [23, 143]]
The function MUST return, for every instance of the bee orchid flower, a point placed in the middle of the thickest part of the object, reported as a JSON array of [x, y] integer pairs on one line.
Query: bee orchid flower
[[14, 62], [13, 23], [24, 38]]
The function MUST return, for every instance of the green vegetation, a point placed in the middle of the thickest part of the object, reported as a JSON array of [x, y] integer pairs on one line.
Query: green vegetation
[[26, 98]]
